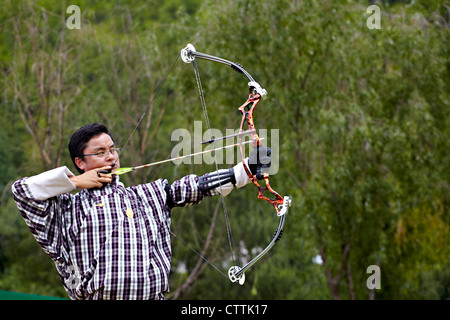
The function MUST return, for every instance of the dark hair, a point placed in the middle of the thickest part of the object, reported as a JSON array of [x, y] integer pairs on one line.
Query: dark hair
[[79, 140]]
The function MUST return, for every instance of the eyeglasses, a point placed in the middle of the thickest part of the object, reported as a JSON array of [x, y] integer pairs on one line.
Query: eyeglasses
[[104, 154]]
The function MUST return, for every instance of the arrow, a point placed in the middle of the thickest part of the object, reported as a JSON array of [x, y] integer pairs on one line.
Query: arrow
[[229, 136], [129, 169]]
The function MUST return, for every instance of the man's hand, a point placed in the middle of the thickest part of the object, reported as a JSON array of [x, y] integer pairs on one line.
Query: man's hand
[[92, 178]]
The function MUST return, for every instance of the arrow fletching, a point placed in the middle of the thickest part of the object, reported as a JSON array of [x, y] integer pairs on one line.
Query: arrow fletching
[[123, 170]]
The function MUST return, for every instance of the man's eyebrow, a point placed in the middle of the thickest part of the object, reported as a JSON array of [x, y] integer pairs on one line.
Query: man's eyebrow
[[98, 148], [103, 148]]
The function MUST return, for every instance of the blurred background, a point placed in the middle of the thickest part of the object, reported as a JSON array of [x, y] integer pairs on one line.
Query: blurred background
[[363, 119]]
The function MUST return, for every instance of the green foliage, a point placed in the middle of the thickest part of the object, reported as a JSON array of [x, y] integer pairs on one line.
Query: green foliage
[[362, 116], [24, 266]]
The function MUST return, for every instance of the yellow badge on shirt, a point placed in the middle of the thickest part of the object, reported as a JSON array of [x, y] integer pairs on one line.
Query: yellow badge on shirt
[[129, 213]]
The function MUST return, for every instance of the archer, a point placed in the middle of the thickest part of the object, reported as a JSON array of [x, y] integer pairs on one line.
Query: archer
[[116, 238]]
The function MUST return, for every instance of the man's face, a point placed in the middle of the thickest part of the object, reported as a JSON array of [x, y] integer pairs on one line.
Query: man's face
[[100, 143]]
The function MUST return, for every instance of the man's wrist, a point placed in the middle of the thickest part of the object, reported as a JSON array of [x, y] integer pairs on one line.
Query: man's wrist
[[75, 181], [240, 175]]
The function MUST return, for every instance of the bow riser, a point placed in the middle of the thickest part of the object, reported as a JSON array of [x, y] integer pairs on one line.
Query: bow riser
[[247, 110]]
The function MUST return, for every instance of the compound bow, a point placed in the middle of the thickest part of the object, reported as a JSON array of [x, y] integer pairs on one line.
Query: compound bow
[[281, 204]]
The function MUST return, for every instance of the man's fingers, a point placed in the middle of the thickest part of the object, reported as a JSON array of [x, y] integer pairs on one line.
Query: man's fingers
[[104, 177], [104, 170]]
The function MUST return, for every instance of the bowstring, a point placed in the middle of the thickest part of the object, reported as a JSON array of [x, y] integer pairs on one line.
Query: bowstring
[[163, 80], [205, 113], [198, 253], [234, 256]]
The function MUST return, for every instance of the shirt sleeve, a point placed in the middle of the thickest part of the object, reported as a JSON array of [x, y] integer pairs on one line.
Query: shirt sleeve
[[185, 192], [36, 198], [51, 183]]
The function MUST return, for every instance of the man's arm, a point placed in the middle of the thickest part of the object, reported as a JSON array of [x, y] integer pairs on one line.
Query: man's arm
[[50, 183], [223, 181], [36, 200]]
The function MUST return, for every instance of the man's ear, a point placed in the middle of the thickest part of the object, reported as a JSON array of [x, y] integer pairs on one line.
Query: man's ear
[[80, 163]]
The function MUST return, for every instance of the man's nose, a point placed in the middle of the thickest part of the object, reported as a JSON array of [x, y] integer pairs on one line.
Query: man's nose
[[111, 155]]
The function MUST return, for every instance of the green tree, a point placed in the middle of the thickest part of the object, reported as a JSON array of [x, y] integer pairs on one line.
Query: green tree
[[362, 116]]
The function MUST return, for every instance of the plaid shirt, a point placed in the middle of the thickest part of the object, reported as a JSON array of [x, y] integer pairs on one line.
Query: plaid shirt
[[107, 243]]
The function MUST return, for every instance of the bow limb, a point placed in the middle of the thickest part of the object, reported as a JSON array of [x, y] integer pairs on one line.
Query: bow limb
[[189, 54], [236, 273]]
